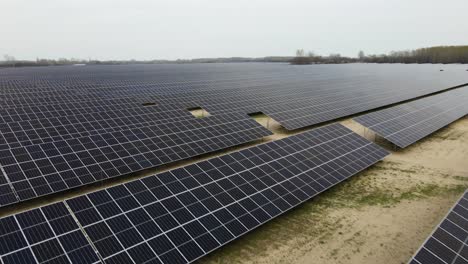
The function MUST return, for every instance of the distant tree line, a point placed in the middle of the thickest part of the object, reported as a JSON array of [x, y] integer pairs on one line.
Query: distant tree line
[[302, 58], [441, 54], [10, 61]]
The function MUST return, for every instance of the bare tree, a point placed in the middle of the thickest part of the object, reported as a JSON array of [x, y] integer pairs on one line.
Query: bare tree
[[301, 58], [300, 53], [361, 55], [9, 58], [334, 58]]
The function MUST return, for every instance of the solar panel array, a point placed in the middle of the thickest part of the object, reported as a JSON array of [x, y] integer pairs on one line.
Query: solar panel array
[[294, 96], [449, 241], [313, 99], [181, 215], [33, 170], [405, 124], [64, 127]]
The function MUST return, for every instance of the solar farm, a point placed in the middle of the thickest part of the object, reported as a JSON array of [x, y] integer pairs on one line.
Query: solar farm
[[234, 163]]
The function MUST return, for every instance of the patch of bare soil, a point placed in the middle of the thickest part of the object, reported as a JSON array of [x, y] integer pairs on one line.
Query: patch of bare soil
[[381, 215]]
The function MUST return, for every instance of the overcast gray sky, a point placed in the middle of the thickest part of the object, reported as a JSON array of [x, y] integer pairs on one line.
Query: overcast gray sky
[[171, 29]]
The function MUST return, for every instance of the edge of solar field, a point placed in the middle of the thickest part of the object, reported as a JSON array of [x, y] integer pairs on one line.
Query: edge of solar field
[[412, 259], [81, 228]]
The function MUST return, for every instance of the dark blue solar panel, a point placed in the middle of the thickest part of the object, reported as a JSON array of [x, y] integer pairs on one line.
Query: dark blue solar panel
[[48, 234]]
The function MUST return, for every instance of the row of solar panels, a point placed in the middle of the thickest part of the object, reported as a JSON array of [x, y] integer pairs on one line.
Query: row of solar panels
[[181, 215], [407, 123], [32, 170]]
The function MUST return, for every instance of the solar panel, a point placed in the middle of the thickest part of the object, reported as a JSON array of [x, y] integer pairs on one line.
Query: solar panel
[[181, 215], [49, 129], [449, 241], [405, 124], [44, 235], [37, 170], [117, 107]]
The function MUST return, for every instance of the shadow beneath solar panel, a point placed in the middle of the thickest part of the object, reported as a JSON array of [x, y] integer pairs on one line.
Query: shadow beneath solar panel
[[199, 112], [381, 141], [274, 126], [369, 134], [269, 123], [442, 134], [348, 117], [280, 132]]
